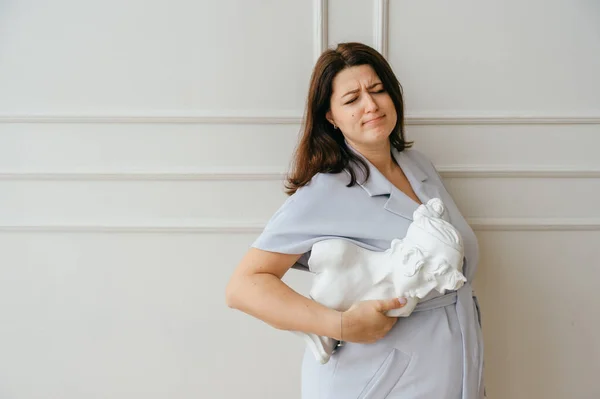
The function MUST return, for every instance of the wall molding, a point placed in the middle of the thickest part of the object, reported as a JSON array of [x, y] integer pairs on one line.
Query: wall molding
[[518, 172], [470, 171], [286, 118], [143, 176], [208, 117], [535, 224], [203, 228], [381, 26], [499, 119], [321, 27], [478, 224]]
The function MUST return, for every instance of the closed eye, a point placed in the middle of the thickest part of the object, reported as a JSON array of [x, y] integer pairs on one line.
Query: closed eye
[[354, 99]]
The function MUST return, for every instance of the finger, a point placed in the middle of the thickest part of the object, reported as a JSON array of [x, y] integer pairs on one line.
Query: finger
[[389, 304]]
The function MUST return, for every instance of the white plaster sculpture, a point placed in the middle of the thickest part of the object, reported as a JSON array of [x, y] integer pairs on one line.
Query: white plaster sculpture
[[429, 257]]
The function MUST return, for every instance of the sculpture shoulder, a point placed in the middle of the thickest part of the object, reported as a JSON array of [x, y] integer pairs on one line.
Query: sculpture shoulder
[[332, 254]]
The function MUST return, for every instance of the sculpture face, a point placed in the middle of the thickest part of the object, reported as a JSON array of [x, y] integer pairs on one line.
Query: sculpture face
[[411, 279], [420, 273]]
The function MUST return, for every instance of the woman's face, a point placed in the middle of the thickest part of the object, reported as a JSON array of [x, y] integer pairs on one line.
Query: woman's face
[[361, 108]]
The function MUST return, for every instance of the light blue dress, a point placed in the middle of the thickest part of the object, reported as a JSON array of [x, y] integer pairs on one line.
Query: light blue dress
[[436, 352]]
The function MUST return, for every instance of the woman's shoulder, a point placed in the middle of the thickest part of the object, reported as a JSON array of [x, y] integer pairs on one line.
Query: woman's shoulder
[[324, 185], [418, 156], [320, 196], [422, 161], [317, 199]]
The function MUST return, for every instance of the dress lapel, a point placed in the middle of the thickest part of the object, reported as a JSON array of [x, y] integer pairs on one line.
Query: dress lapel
[[398, 203], [417, 177]]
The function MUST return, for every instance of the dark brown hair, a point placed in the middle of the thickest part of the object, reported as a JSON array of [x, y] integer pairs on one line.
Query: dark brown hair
[[322, 148]]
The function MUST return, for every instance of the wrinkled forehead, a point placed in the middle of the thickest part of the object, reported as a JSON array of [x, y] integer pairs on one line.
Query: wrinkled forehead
[[353, 78]]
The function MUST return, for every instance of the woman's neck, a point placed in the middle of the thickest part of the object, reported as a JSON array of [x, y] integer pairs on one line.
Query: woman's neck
[[381, 158]]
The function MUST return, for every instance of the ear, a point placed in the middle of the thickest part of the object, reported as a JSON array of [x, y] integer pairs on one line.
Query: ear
[[329, 117]]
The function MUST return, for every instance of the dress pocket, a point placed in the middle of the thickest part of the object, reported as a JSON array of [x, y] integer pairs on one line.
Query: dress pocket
[[387, 376], [366, 371], [477, 310]]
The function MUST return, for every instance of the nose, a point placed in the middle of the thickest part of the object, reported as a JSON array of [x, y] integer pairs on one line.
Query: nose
[[370, 104]]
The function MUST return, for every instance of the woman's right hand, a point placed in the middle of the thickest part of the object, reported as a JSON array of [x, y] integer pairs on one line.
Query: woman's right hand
[[366, 321]]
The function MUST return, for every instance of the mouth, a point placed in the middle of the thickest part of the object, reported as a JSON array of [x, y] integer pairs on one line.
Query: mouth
[[374, 120]]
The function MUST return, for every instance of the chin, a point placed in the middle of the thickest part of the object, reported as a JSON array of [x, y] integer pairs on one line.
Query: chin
[[378, 134]]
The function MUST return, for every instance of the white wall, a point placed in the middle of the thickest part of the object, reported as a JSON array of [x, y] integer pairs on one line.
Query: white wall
[[141, 150]]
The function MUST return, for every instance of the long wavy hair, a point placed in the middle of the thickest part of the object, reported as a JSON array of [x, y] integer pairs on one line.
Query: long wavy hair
[[321, 148]]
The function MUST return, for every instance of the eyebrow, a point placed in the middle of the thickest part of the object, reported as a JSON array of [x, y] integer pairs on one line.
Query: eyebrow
[[356, 90]]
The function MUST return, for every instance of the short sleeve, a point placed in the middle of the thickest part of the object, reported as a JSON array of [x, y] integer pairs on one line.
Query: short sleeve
[[315, 212], [293, 228]]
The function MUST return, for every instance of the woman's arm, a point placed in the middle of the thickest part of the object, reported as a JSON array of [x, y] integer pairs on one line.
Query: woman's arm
[[256, 288]]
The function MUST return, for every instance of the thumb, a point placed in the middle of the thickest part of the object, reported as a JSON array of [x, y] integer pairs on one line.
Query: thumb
[[389, 304]]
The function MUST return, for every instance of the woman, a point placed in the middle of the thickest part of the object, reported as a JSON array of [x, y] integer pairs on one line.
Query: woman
[[355, 176]]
